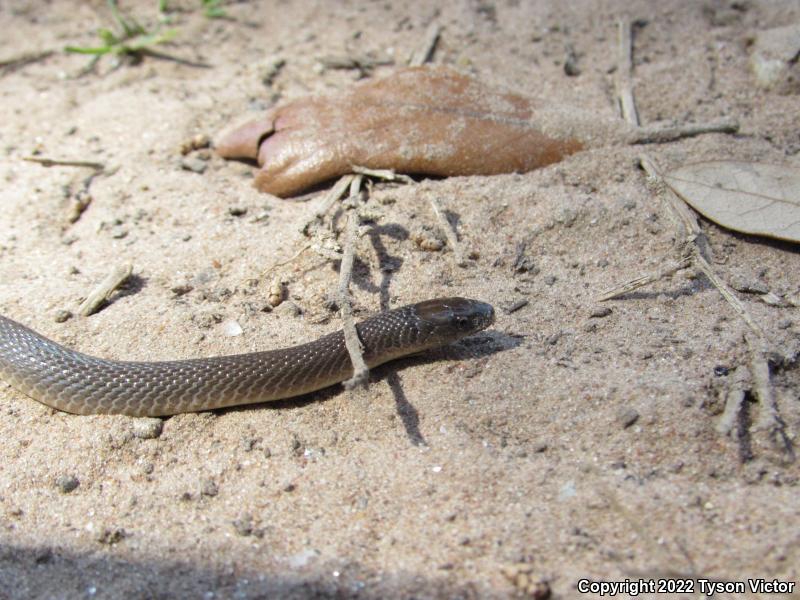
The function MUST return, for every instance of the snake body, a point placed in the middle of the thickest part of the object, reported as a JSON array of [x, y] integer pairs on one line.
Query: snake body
[[77, 383]]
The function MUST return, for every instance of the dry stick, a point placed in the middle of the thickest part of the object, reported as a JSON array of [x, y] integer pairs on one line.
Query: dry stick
[[329, 198], [54, 162], [449, 232], [385, 174], [423, 54], [624, 81], [101, 293], [12, 64], [644, 280], [351, 340], [659, 134], [695, 247], [355, 186]]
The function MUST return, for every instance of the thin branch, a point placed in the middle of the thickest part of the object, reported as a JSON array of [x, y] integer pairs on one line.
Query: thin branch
[[624, 83], [644, 280], [54, 162], [659, 134], [9, 65], [351, 340], [425, 50], [104, 289], [329, 198], [385, 174]]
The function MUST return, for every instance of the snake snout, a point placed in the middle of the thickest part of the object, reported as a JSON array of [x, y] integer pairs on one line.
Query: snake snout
[[455, 317]]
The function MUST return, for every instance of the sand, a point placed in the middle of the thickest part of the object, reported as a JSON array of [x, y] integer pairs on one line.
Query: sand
[[573, 440]]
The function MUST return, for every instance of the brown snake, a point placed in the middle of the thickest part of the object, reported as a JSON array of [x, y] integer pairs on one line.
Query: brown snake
[[77, 383]]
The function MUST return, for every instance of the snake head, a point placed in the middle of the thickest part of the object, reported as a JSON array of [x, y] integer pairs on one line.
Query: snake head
[[450, 319]]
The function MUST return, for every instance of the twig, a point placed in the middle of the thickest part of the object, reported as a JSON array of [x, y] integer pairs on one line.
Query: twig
[[659, 134], [355, 186], [727, 293], [449, 232], [385, 174], [684, 218], [9, 65], [644, 280], [363, 62], [624, 81], [734, 400], [424, 52], [283, 263], [329, 198], [768, 410], [351, 340], [54, 162], [101, 293]]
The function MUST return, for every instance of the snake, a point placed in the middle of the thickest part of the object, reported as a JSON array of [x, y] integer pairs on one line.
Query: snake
[[77, 383]]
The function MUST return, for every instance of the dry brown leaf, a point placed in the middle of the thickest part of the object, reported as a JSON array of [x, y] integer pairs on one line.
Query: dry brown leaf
[[754, 198]]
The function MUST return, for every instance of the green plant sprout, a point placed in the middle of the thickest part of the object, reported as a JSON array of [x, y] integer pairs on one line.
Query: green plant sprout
[[213, 9], [131, 39]]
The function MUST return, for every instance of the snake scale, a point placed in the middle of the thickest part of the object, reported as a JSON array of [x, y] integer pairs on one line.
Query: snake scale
[[77, 383]]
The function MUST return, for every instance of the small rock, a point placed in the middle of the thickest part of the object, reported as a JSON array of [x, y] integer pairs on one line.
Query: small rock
[[67, 483], [277, 292], [271, 69], [62, 315], [290, 309], [181, 289], [243, 525], [201, 140], [118, 232], [428, 239], [628, 417], [209, 488], [514, 307], [774, 59], [237, 211], [571, 68], [232, 328], [600, 312], [193, 164], [147, 428], [110, 536]]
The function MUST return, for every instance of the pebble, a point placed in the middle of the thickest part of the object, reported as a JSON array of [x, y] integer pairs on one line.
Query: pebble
[[209, 488], [201, 140], [232, 328], [517, 305], [147, 428], [243, 525], [193, 164], [62, 315], [627, 417], [600, 312], [67, 483], [110, 536]]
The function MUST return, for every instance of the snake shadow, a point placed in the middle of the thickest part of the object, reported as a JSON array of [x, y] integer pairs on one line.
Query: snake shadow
[[473, 348]]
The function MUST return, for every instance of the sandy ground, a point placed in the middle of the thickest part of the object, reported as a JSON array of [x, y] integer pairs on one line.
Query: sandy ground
[[564, 443]]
